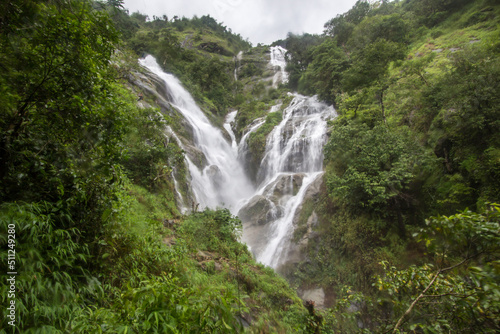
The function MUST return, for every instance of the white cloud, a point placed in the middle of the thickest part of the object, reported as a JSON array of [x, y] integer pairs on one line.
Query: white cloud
[[261, 21]]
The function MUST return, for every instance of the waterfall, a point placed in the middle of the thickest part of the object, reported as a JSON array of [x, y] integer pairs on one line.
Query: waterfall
[[281, 230], [278, 62], [291, 164], [296, 144], [180, 199], [293, 160], [237, 64], [229, 128], [221, 181]]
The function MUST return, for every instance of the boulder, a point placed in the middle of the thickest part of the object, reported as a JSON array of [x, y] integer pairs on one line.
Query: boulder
[[259, 211], [316, 295], [215, 175]]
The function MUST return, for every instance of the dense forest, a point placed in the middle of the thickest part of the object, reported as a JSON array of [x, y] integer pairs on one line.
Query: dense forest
[[416, 87], [93, 240]]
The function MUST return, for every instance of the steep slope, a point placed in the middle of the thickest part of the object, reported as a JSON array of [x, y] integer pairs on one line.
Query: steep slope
[[91, 209], [104, 175], [416, 136]]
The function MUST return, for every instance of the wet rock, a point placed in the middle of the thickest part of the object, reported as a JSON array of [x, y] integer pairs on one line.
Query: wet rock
[[297, 251], [195, 155], [152, 86], [314, 189], [259, 211], [256, 217], [213, 47], [316, 295], [215, 175], [203, 256], [312, 193], [285, 185]]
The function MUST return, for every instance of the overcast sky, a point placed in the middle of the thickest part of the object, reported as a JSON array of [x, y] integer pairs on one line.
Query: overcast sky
[[261, 21]]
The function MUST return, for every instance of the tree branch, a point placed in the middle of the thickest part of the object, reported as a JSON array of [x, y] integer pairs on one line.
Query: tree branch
[[422, 295]]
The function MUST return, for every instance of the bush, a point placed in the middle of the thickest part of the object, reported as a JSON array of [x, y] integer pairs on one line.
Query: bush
[[215, 231]]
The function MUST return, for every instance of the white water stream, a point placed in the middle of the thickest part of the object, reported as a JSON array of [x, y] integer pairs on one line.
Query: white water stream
[[229, 128], [293, 160], [294, 154], [222, 181], [279, 64]]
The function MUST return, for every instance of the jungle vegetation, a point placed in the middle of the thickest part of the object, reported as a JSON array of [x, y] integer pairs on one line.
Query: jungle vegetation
[[409, 234]]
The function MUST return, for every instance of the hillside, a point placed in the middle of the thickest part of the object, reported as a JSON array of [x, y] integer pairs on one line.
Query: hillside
[[96, 238], [416, 87], [398, 231]]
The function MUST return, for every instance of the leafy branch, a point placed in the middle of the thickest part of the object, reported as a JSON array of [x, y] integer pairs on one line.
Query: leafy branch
[[423, 295]]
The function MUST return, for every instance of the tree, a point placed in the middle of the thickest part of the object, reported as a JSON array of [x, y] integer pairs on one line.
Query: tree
[[342, 26], [213, 76], [118, 4], [324, 74], [371, 168], [353, 16], [298, 55], [459, 292], [468, 119], [60, 111], [432, 12], [370, 64], [62, 118]]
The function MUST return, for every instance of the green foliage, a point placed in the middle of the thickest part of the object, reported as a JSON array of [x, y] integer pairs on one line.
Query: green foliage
[[54, 124], [215, 231], [257, 139], [212, 75], [150, 156], [52, 265], [146, 286], [372, 168], [370, 64], [247, 113], [299, 55], [160, 304], [341, 27], [460, 288], [344, 316], [432, 12], [467, 122], [140, 284], [250, 70], [324, 73], [392, 28]]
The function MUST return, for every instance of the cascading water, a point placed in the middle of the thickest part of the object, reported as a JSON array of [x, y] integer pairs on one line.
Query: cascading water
[[237, 63], [293, 160], [282, 228], [229, 128], [222, 181], [296, 144], [278, 62]]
